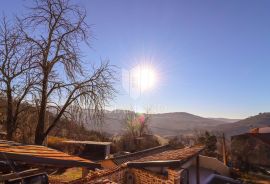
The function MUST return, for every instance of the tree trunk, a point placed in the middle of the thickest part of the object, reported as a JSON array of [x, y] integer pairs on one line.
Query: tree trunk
[[10, 120], [39, 134]]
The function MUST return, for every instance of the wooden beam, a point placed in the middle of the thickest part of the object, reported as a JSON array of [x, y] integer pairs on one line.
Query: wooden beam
[[198, 170], [85, 172], [224, 151], [29, 159], [25, 173]]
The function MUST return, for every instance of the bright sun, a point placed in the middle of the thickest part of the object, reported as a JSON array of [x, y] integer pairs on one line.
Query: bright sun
[[144, 77]]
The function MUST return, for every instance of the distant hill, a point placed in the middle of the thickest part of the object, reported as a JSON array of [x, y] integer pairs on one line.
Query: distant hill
[[165, 124], [226, 120], [243, 126], [180, 122]]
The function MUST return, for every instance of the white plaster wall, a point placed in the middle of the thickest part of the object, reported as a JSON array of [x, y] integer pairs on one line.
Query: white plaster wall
[[213, 164], [208, 166], [204, 173]]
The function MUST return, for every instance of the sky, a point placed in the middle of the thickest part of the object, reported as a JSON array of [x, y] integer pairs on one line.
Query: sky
[[211, 58]]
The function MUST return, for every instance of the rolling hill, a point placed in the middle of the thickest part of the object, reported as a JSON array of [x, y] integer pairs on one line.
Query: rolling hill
[[243, 126], [165, 124]]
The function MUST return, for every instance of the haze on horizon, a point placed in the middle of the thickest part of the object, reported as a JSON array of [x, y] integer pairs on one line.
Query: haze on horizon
[[210, 58]]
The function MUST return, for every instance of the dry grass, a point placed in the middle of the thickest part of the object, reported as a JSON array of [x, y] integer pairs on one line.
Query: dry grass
[[162, 141], [253, 178], [68, 175], [56, 142]]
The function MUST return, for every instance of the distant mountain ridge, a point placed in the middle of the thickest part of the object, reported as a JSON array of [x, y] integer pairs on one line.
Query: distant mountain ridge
[[165, 124], [175, 123], [226, 120], [243, 126]]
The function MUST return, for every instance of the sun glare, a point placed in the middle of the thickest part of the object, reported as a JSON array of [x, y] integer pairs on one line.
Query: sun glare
[[140, 79], [144, 77]]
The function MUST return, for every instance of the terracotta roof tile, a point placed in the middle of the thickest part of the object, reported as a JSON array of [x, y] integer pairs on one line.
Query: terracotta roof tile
[[40, 155], [140, 154], [177, 154]]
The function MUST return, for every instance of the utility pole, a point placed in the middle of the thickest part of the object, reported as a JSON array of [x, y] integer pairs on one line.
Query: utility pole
[[224, 151]]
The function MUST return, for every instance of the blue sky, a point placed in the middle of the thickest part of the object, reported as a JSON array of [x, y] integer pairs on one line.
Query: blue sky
[[212, 57]]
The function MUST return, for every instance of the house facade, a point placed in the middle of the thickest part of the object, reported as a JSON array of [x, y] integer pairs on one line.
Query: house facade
[[251, 149], [170, 166], [91, 150]]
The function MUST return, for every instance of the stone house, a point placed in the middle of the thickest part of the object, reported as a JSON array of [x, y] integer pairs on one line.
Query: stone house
[[160, 165], [251, 149], [118, 160], [91, 150]]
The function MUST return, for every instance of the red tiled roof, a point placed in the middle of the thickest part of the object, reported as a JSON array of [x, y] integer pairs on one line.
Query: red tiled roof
[[34, 154], [140, 154], [177, 154]]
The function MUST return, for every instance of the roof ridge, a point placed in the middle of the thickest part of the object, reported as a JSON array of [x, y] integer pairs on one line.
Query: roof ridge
[[142, 151], [169, 157]]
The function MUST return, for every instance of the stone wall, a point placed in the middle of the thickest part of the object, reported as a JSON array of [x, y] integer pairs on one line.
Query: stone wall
[[115, 175], [146, 177], [141, 176]]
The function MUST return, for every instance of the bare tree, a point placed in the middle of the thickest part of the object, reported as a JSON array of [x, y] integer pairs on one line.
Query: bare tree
[[136, 124], [56, 30], [16, 73], [144, 120]]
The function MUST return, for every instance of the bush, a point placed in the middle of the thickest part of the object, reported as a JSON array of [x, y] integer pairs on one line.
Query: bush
[[56, 143], [129, 144]]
